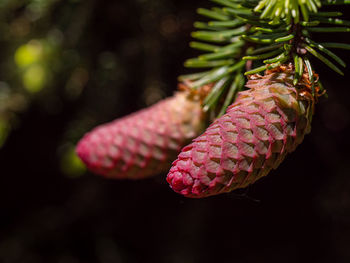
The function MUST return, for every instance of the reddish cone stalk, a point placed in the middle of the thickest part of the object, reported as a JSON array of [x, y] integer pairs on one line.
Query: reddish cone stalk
[[264, 124], [144, 143]]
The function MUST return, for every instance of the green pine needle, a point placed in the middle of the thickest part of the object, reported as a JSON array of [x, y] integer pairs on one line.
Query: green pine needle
[[327, 14], [299, 68], [256, 70], [335, 2], [329, 29], [264, 49], [262, 56], [203, 46], [336, 45], [279, 58], [324, 60], [215, 93], [212, 14], [237, 85], [285, 38], [333, 21], [311, 74], [326, 51]]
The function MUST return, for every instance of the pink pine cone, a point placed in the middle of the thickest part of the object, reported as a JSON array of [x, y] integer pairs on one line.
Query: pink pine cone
[[264, 124], [144, 143]]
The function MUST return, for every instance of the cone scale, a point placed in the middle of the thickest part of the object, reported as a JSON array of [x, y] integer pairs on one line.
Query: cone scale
[[144, 143], [265, 123]]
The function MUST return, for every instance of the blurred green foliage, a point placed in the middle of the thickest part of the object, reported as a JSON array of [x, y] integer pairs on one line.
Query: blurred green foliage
[[36, 55], [29, 54], [71, 165]]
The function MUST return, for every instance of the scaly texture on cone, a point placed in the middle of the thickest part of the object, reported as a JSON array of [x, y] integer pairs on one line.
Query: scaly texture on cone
[[266, 122], [144, 143]]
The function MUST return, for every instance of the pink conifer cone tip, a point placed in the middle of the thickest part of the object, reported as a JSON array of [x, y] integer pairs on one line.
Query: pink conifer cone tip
[[264, 124], [144, 143]]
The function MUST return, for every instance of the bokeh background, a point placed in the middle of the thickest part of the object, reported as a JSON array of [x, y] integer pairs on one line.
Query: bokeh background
[[67, 66]]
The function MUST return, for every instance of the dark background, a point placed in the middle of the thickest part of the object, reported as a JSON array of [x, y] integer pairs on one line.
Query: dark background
[[128, 54]]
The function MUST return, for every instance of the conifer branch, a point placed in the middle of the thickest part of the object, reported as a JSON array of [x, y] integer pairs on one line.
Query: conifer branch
[[248, 37]]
